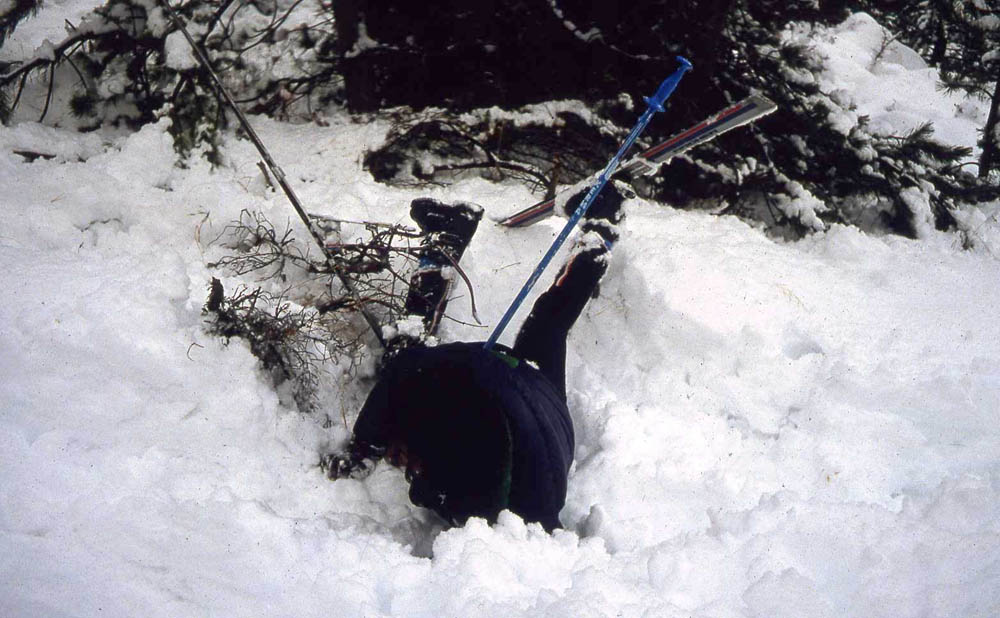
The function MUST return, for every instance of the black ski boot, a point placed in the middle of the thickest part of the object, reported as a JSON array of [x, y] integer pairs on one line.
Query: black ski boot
[[448, 229], [604, 214]]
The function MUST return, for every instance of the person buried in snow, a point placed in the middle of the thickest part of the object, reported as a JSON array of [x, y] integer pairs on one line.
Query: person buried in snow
[[481, 430]]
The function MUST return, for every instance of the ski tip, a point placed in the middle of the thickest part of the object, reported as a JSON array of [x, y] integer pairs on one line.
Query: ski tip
[[685, 63], [530, 215], [766, 105]]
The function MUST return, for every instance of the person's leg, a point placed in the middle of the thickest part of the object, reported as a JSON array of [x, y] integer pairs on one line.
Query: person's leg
[[542, 338], [448, 229]]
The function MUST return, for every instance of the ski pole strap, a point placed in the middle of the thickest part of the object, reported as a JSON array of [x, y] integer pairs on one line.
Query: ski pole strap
[[655, 104]]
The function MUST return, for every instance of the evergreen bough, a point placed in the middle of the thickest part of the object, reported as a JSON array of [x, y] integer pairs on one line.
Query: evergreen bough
[[119, 69], [812, 163]]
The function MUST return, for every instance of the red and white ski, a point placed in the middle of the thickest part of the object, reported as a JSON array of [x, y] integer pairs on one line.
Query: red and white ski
[[649, 161]]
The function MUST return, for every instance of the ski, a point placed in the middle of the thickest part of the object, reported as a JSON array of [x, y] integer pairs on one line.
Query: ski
[[649, 161]]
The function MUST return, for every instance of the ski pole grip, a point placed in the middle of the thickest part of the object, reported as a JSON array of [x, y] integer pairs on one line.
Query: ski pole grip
[[667, 87]]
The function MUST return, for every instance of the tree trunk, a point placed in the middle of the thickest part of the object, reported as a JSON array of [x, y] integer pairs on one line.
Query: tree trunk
[[988, 159], [358, 79], [940, 43], [941, 14]]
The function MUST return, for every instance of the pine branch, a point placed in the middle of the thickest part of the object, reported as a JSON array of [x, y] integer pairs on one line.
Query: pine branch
[[10, 19], [48, 60]]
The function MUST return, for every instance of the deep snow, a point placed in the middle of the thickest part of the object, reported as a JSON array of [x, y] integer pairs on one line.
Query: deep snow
[[764, 428]]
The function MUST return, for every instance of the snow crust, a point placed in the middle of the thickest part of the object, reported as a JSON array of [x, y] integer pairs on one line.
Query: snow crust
[[764, 428]]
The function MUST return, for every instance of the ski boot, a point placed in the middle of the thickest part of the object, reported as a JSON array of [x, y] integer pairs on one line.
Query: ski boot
[[448, 229], [604, 214]]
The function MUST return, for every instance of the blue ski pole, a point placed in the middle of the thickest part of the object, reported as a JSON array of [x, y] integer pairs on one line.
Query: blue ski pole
[[655, 104]]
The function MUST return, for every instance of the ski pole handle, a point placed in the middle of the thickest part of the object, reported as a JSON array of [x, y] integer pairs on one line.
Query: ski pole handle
[[667, 87]]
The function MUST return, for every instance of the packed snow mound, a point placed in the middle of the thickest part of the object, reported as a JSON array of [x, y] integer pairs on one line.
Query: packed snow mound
[[891, 84], [764, 429]]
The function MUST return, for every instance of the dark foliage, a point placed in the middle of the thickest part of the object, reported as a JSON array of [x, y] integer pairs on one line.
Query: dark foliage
[[286, 339], [298, 336], [811, 163], [434, 146], [462, 54]]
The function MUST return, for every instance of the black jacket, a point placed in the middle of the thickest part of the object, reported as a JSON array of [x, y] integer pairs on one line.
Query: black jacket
[[481, 432]]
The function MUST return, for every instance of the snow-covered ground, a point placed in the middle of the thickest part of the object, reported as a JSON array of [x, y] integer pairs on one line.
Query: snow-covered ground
[[767, 429]]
